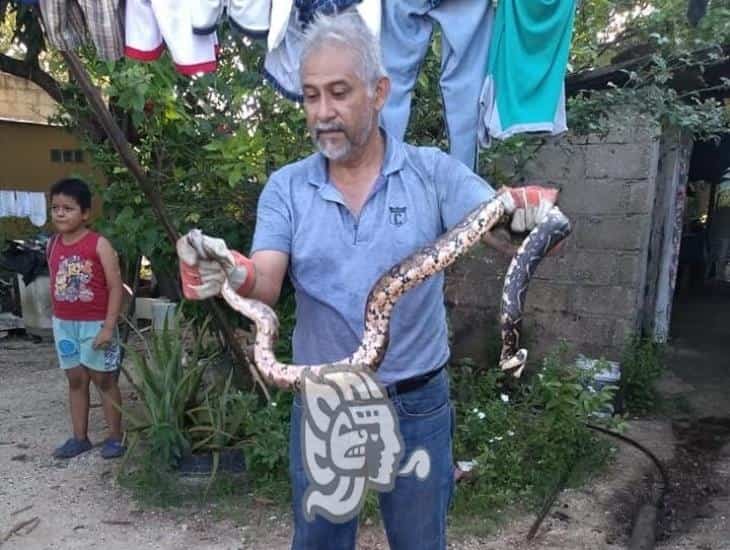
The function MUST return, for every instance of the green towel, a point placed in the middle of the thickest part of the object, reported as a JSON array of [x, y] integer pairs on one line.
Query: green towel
[[524, 89]]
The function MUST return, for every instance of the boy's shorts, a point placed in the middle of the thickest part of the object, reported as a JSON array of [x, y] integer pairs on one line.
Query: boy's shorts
[[74, 345]]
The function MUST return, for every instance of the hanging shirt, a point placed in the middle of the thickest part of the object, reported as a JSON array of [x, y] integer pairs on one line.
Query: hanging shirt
[[151, 26], [68, 22], [528, 55], [79, 290]]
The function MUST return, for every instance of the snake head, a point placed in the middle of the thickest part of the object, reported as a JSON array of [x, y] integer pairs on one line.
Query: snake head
[[515, 364]]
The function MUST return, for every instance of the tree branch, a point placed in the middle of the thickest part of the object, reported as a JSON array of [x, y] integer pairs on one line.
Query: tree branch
[[34, 73]]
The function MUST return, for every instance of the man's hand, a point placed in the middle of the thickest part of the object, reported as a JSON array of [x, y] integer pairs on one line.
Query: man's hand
[[528, 205], [205, 264]]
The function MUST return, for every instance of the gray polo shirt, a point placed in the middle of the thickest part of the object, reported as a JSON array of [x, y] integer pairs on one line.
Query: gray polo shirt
[[335, 258]]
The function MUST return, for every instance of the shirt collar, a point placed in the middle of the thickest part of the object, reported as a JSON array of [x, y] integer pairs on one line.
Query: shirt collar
[[392, 162]]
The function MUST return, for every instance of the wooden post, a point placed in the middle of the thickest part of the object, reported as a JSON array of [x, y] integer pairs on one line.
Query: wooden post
[[129, 158]]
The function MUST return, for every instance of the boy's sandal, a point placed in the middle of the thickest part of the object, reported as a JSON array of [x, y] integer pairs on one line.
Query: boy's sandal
[[112, 448], [73, 447]]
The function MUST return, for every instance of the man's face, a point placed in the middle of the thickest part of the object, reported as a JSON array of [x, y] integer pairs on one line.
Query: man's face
[[341, 115]]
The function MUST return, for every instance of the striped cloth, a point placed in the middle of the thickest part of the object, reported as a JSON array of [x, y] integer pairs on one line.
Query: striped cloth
[[68, 23]]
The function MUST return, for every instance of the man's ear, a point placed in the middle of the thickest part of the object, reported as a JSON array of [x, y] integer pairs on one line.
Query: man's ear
[[382, 91]]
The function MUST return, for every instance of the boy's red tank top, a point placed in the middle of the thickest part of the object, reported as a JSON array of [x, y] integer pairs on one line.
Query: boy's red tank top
[[78, 286]]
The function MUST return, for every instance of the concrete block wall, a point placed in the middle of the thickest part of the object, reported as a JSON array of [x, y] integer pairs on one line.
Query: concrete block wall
[[22, 100], [590, 294]]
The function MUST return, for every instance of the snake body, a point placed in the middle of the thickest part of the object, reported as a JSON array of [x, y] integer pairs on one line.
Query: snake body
[[402, 277]]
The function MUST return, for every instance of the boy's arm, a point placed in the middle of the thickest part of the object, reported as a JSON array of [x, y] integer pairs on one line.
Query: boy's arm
[[110, 263]]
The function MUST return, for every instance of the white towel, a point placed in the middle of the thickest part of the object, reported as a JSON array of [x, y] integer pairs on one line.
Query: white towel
[[38, 211], [7, 203]]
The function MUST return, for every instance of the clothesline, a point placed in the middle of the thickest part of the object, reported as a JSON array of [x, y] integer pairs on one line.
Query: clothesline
[[503, 67]]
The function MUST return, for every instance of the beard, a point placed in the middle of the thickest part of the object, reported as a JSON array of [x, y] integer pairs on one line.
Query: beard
[[341, 149]]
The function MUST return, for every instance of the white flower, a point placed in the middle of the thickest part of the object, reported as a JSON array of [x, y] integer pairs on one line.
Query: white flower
[[510, 433], [481, 415], [504, 397], [273, 403], [475, 410], [498, 438]]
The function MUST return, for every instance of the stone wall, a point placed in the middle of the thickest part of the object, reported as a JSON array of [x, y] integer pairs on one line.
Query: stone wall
[[22, 100], [590, 294]]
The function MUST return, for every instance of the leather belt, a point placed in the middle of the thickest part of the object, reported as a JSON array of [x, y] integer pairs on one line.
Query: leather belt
[[413, 383]]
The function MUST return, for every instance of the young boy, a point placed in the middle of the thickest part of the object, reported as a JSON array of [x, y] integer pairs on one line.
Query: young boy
[[86, 293]]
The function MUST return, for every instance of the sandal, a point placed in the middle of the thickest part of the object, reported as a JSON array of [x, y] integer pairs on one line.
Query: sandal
[[73, 447], [113, 448]]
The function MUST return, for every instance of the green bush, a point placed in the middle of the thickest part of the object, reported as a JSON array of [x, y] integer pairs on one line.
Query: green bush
[[524, 438], [642, 364]]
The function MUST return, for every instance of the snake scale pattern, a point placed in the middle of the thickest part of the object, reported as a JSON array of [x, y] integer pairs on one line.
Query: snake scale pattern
[[402, 277]]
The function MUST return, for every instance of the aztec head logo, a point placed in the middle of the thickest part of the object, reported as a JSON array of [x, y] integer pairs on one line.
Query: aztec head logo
[[351, 441]]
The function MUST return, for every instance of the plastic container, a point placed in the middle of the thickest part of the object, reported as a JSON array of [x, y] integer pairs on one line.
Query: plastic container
[[35, 302], [164, 312], [609, 376]]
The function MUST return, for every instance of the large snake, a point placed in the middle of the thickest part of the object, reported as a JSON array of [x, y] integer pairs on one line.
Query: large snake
[[402, 277]]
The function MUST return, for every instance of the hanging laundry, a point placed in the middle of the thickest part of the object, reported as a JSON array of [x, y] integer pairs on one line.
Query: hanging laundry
[[38, 213], [289, 19], [69, 22], [152, 25], [24, 204], [248, 17], [465, 33], [7, 204], [524, 90]]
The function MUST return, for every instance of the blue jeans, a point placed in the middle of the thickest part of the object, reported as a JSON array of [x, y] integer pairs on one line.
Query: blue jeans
[[466, 30], [414, 513]]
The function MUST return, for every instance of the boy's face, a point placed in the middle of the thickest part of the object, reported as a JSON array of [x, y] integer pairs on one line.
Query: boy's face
[[67, 214]]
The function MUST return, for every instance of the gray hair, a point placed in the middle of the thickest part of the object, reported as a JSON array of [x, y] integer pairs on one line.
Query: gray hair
[[349, 30]]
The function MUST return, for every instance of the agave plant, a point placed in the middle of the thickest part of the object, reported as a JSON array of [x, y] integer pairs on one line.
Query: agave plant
[[169, 380], [218, 422]]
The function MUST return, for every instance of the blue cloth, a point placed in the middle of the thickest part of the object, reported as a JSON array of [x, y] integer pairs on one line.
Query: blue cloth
[[466, 27], [414, 513], [309, 8], [335, 258]]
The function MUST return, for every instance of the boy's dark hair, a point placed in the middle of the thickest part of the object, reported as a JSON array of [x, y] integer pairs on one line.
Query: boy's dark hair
[[75, 188]]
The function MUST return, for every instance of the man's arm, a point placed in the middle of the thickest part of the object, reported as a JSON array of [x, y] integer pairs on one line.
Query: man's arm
[[271, 266]]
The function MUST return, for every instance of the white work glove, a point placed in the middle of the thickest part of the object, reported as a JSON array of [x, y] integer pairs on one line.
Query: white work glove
[[528, 205], [205, 15], [205, 264]]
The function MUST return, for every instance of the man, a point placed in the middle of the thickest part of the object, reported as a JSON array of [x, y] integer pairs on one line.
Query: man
[[337, 220]]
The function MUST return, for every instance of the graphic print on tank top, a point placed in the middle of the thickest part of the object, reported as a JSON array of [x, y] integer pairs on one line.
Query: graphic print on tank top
[[73, 280]]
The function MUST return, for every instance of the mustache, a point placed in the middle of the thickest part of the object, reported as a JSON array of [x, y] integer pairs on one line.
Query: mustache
[[331, 127]]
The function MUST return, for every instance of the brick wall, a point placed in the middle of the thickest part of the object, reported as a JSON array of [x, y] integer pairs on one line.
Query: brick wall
[[591, 293]]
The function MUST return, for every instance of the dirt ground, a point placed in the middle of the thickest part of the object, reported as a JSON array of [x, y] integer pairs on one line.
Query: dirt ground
[[51, 504]]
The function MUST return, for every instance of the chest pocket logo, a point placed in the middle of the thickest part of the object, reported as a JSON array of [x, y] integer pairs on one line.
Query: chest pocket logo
[[398, 215]]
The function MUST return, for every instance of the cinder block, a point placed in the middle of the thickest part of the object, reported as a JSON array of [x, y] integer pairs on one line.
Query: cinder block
[[575, 329], [561, 162], [547, 297], [611, 232], [628, 127], [628, 270], [612, 301], [608, 196], [618, 161], [623, 329]]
